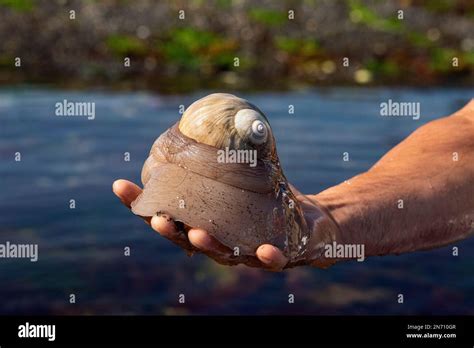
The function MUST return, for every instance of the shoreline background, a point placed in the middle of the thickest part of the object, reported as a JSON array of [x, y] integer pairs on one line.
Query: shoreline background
[[172, 55]]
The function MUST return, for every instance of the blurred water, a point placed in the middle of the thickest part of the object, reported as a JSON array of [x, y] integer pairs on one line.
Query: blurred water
[[81, 250]]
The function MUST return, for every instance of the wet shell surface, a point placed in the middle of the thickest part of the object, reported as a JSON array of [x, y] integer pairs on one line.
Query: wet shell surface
[[218, 169]]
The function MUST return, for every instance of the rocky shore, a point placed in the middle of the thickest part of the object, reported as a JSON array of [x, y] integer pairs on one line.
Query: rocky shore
[[179, 46]]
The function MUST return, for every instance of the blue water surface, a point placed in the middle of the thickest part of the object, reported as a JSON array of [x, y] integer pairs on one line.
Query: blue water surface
[[81, 250]]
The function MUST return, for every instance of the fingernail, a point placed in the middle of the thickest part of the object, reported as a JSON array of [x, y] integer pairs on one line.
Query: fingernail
[[264, 259], [206, 242], [203, 242]]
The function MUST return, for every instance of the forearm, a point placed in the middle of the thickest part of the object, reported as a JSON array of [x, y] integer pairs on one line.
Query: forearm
[[420, 195], [400, 219]]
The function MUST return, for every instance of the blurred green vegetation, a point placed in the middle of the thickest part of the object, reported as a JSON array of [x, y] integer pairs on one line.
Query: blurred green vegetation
[[267, 17], [18, 5], [300, 47], [126, 45], [438, 58], [243, 43], [5, 60], [386, 68], [418, 39], [360, 13], [192, 49]]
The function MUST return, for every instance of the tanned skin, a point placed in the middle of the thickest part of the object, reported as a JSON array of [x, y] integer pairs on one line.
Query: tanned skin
[[420, 195]]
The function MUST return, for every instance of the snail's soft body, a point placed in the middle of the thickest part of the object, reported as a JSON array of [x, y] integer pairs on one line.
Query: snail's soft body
[[243, 205]]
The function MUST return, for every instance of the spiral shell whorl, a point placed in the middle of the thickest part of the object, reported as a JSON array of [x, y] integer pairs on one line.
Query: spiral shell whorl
[[212, 121]]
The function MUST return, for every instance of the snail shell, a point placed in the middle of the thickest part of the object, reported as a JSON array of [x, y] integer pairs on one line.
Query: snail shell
[[243, 205]]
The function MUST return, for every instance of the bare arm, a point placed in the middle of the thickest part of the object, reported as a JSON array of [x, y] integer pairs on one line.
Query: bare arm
[[420, 195]]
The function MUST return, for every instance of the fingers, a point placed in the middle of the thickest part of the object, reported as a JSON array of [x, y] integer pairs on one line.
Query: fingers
[[210, 246], [126, 190], [272, 257], [219, 252], [202, 240], [268, 256], [165, 225]]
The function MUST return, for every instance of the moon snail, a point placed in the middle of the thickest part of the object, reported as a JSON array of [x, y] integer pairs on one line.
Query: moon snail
[[241, 204]]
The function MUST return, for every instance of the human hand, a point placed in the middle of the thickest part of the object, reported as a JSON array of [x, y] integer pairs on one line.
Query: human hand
[[198, 240]]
